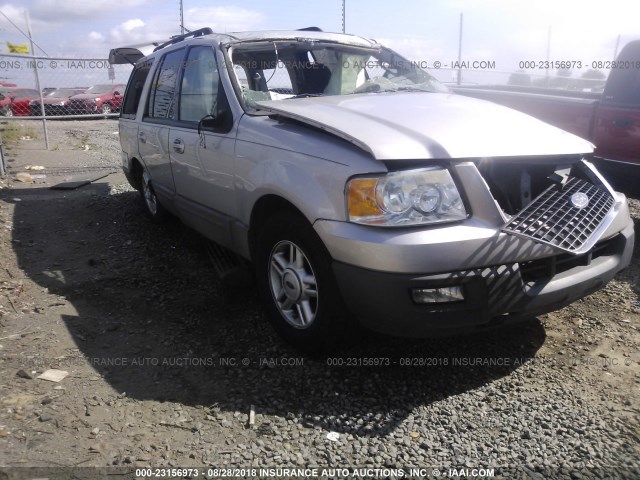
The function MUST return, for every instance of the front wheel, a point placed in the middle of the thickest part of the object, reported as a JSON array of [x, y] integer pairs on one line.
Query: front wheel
[[294, 275], [106, 109]]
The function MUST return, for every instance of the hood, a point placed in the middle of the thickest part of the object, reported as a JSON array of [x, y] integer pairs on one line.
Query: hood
[[416, 125]]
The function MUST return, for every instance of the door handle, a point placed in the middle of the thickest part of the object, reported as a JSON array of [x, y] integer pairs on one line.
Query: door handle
[[142, 137], [178, 145], [623, 122]]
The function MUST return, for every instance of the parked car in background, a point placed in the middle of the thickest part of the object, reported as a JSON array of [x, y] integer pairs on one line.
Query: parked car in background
[[610, 119], [55, 102], [4, 89], [355, 181], [103, 98], [15, 100]]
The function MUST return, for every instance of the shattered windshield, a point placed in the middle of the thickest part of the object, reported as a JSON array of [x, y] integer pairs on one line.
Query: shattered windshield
[[297, 69]]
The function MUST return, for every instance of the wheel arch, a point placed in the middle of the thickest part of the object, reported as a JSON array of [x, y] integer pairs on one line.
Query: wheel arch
[[262, 209], [135, 173]]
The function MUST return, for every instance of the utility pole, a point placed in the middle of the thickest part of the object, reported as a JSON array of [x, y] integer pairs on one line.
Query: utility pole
[[460, 51], [181, 18], [37, 74], [344, 16], [548, 54], [615, 50]]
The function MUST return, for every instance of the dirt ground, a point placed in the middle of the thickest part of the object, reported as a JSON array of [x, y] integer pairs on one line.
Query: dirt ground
[[165, 365]]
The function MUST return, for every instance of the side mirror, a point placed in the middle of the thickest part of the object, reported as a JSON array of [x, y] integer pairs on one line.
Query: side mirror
[[116, 94], [221, 123]]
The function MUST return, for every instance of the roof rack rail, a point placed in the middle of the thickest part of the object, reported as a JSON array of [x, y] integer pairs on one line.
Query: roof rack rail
[[310, 29], [178, 38]]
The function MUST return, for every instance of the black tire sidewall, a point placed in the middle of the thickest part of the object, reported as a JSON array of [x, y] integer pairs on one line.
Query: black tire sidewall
[[296, 229]]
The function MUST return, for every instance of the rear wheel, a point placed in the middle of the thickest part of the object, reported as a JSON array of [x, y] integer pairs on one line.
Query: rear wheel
[[154, 208], [294, 275]]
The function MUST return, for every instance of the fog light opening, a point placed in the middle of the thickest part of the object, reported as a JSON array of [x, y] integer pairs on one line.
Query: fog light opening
[[437, 295]]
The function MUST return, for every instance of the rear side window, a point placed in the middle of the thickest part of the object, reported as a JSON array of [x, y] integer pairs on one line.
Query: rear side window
[[161, 97], [133, 93]]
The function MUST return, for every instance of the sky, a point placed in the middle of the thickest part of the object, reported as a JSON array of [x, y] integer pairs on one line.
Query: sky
[[503, 31]]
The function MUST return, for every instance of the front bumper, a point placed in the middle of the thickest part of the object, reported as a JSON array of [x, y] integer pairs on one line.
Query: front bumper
[[493, 295], [49, 110]]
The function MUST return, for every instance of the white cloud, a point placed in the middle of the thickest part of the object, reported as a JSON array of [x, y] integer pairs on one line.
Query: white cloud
[[136, 32], [223, 19], [96, 37], [17, 16], [60, 11], [129, 32], [132, 24]]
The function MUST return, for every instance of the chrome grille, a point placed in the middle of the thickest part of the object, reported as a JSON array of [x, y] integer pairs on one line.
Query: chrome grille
[[552, 219]]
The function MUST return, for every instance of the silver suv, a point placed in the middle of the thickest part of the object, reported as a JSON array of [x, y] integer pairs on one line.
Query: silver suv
[[355, 182]]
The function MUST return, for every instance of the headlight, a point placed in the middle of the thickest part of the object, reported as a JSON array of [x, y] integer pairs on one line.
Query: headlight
[[412, 197]]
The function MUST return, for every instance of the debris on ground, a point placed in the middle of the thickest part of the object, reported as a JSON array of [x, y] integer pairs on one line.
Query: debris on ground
[[53, 375]]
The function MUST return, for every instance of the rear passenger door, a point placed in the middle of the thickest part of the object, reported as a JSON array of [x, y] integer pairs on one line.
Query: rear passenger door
[[202, 142], [153, 132]]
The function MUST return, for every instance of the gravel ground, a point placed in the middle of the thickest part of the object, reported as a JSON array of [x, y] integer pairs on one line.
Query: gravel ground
[[166, 364]]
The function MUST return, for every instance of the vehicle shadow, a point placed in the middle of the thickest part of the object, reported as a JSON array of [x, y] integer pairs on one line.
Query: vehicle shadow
[[154, 321]]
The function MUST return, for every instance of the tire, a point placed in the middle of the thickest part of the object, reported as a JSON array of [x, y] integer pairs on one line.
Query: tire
[[106, 109], [155, 210], [8, 112], [296, 282]]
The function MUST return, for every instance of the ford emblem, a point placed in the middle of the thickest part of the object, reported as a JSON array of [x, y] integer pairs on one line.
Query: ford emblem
[[579, 200]]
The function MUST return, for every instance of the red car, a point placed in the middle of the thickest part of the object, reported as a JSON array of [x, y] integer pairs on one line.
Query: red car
[[55, 102], [105, 98], [15, 100]]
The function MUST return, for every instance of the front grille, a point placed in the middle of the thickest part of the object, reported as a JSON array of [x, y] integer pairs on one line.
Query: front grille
[[77, 107], [552, 218]]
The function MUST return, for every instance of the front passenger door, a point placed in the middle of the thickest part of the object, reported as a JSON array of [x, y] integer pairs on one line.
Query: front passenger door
[[203, 162]]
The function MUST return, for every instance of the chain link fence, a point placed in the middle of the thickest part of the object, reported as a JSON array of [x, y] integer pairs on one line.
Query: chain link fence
[[38, 89]]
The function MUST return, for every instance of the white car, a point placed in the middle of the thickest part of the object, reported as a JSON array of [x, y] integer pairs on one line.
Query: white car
[[358, 185]]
